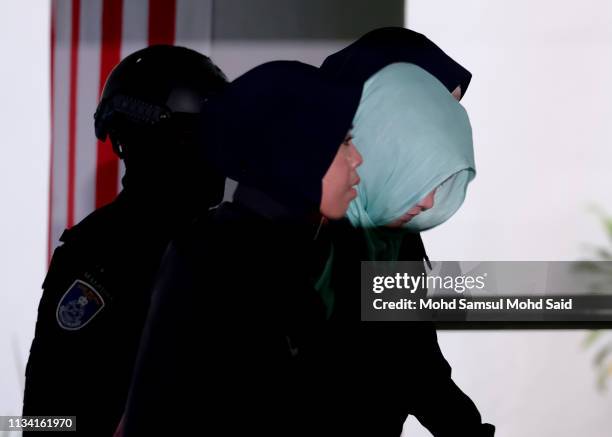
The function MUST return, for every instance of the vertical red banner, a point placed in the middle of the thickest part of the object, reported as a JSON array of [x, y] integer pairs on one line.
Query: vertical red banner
[[162, 21], [72, 110], [107, 164]]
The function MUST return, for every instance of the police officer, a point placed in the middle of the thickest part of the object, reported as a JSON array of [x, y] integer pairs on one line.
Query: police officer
[[96, 293]]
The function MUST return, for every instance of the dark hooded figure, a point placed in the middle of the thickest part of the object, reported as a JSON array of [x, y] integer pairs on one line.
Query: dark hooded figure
[[408, 351], [96, 294], [233, 332]]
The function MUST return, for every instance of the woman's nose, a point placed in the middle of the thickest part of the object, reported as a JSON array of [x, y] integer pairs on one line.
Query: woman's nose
[[427, 202], [355, 156]]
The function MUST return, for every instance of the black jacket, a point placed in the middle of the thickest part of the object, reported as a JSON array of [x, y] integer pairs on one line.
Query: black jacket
[[229, 330], [401, 366], [82, 355]]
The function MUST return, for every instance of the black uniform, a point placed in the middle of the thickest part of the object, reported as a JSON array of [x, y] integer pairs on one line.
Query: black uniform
[[90, 317], [97, 291]]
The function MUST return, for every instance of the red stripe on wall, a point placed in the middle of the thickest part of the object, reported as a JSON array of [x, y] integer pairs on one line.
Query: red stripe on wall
[[162, 21], [107, 163], [72, 119], [52, 88]]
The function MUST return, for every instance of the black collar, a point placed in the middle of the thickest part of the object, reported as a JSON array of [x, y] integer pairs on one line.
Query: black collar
[[310, 225]]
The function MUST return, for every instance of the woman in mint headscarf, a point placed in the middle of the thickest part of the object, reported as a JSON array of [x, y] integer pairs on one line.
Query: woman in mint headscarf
[[416, 167], [416, 143]]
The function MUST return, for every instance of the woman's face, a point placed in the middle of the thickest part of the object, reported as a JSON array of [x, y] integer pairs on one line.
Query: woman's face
[[340, 180], [428, 201], [424, 204]]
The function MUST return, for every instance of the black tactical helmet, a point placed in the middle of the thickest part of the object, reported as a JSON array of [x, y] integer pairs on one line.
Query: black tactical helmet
[[152, 88]]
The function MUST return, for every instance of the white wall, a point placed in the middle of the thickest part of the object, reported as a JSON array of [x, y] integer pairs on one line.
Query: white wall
[[540, 105], [24, 175]]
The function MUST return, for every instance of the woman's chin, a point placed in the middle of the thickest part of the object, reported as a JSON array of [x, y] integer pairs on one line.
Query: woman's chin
[[400, 222], [394, 225]]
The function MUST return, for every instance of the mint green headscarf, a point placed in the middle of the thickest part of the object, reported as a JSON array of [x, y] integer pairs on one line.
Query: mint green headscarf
[[414, 137]]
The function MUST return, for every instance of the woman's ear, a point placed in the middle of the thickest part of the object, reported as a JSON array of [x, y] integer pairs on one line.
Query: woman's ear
[[457, 93]]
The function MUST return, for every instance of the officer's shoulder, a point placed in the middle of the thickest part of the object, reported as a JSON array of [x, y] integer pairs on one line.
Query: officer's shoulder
[[98, 226]]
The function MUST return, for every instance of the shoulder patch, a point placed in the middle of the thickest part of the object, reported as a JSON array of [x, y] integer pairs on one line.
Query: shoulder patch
[[79, 304]]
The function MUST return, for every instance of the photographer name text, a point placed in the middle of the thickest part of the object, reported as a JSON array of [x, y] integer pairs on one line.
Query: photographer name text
[[450, 304]]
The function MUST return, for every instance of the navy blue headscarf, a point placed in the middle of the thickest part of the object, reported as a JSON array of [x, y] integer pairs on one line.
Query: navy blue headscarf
[[388, 45], [278, 127]]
